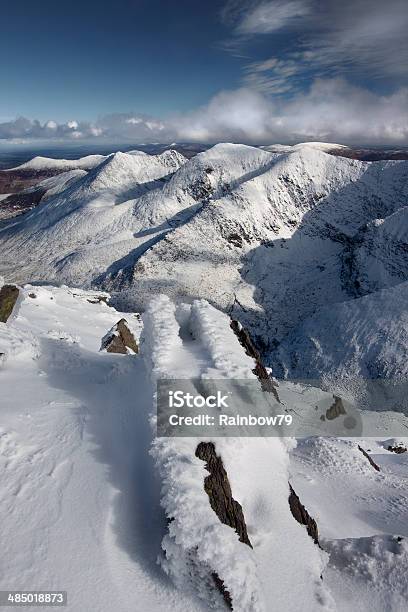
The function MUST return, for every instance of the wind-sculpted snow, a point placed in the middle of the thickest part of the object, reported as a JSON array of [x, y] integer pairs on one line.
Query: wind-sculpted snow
[[19, 345], [78, 480], [197, 544], [362, 516], [197, 341], [371, 566]]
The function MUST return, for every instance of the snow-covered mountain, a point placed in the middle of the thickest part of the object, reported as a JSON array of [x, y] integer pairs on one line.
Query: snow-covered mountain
[[49, 163], [307, 249], [15, 204], [357, 348]]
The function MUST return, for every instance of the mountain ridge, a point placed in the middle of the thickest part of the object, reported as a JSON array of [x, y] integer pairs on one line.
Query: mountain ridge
[[272, 238]]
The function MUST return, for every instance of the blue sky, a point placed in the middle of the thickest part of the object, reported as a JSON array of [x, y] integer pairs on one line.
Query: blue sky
[[252, 70], [83, 59]]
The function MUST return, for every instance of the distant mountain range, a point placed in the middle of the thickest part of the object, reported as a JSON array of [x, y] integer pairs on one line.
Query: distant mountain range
[[306, 245]]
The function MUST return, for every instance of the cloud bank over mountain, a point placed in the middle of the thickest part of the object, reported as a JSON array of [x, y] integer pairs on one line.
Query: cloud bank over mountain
[[331, 109]]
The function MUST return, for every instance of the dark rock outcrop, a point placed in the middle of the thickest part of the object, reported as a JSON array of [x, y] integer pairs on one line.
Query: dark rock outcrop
[[16, 180], [19, 203], [221, 587], [371, 461], [119, 339], [260, 371], [399, 449], [8, 298], [336, 409], [228, 510], [235, 239], [302, 516], [218, 489], [98, 299]]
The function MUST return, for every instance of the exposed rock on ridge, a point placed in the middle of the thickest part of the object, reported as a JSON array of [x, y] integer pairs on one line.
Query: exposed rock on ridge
[[8, 298], [120, 339], [302, 516], [260, 371], [218, 489], [228, 510]]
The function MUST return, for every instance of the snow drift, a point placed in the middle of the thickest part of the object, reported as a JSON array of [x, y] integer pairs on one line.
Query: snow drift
[[74, 431], [198, 341]]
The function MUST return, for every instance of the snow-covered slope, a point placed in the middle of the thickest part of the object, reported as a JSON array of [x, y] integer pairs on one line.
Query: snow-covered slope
[[89, 512], [273, 247], [122, 171], [357, 348], [15, 204], [327, 147], [268, 201], [362, 519], [379, 258], [83, 230], [48, 163], [80, 505]]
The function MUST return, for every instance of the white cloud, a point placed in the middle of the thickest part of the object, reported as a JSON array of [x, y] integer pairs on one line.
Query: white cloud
[[368, 37], [76, 134], [364, 38], [94, 131], [274, 76], [137, 128], [336, 110], [272, 16], [331, 110], [240, 115], [34, 129]]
